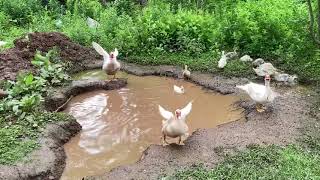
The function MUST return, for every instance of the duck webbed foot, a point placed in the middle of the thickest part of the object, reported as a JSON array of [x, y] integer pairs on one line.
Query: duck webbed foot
[[260, 107], [164, 141], [179, 142]]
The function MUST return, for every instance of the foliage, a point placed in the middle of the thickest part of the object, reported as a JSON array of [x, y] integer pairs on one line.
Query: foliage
[[275, 30], [20, 12], [13, 144], [86, 8], [21, 115], [270, 162], [18, 138], [53, 74]]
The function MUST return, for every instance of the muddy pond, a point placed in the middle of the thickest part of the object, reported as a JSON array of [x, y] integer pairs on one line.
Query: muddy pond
[[118, 125]]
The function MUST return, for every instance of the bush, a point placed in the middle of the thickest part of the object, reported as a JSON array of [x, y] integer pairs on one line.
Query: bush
[[91, 8], [275, 30], [21, 12]]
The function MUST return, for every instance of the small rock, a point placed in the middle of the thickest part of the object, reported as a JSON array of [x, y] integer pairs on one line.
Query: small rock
[[3, 93], [286, 78], [231, 55], [257, 62], [58, 23], [51, 177], [292, 79], [264, 69], [246, 58], [281, 77]]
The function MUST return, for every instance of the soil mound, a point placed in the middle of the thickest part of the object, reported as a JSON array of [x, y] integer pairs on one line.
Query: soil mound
[[19, 58]]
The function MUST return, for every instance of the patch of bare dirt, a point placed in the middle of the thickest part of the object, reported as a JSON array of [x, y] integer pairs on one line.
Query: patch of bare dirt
[[19, 58]]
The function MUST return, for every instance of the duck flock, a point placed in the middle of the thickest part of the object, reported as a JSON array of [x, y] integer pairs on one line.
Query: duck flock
[[174, 124]]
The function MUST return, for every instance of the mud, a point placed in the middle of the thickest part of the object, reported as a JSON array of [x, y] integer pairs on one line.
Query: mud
[[117, 126]]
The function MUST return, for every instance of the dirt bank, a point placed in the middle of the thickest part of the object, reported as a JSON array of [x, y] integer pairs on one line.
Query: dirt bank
[[279, 125], [48, 161], [59, 96]]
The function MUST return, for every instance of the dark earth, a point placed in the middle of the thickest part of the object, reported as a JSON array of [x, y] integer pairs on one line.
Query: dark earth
[[283, 123]]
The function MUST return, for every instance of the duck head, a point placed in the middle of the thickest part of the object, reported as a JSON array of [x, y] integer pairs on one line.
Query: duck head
[[267, 79], [113, 55], [182, 89], [178, 113]]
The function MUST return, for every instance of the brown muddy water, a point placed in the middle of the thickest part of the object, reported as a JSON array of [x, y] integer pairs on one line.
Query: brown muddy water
[[118, 125]]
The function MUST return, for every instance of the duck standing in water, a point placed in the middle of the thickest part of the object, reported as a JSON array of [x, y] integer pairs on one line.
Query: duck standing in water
[[175, 125], [110, 64], [186, 73], [260, 93]]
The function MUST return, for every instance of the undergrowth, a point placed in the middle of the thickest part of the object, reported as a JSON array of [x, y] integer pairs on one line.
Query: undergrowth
[[270, 162], [22, 118]]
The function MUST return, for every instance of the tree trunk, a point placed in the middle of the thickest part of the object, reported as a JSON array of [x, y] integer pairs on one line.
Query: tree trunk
[[311, 29]]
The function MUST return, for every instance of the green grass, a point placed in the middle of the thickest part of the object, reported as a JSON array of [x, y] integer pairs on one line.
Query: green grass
[[270, 162], [19, 137], [207, 62]]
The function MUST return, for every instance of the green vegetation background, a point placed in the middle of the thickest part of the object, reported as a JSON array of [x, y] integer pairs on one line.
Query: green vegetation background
[[179, 32]]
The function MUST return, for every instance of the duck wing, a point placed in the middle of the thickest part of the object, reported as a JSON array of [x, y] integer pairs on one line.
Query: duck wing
[[186, 110], [167, 115], [100, 50], [176, 89], [257, 91]]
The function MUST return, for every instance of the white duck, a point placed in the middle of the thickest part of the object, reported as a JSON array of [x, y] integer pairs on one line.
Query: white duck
[[110, 63], [259, 93], [223, 60], [186, 73], [178, 90], [175, 125]]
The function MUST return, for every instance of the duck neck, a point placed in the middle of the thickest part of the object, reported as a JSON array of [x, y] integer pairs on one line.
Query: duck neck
[[185, 67], [267, 84]]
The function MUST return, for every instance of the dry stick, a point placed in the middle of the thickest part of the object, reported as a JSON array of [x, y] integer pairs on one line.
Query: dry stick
[[64, 104]]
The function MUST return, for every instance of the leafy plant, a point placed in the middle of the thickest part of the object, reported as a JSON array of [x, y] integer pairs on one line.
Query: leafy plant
[[53, 74], [25, 84]]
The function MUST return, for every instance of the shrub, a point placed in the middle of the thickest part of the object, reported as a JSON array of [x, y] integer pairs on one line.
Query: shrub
[[20, 12], [91, 8]]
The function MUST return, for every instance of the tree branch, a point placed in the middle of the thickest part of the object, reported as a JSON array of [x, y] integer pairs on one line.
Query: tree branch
[[64, 104]]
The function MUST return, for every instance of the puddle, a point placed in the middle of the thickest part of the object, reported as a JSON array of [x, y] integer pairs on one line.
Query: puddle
[[118, 125]]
